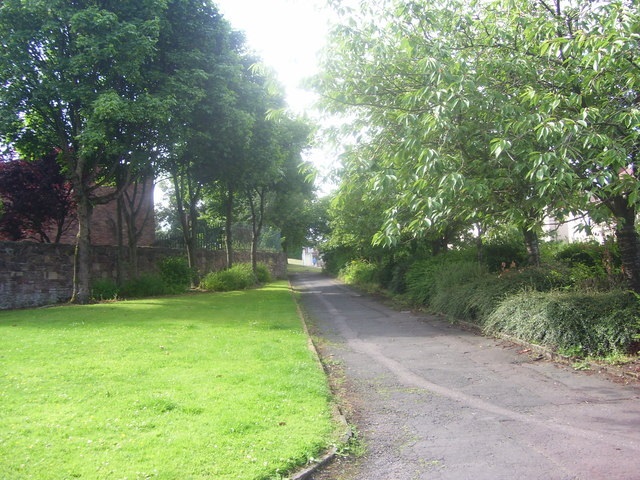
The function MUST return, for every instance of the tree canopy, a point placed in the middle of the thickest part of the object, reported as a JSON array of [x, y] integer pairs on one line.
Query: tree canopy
[[125, 89], [36, 198], [474, 114], [73, 78]]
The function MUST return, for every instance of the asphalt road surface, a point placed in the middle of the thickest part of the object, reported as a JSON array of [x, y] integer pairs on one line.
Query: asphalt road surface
[[432, 401]]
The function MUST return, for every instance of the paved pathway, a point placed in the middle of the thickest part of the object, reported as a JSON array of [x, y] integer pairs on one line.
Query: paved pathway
[[432, 401]]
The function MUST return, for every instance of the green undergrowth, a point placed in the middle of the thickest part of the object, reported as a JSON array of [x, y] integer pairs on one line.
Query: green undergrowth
[[195, 386], [238, 277], [173, 278], [574, 324], [362, 274], [574, 303]]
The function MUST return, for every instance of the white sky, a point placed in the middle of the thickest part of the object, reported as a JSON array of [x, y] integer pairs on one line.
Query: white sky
[[286, 34]]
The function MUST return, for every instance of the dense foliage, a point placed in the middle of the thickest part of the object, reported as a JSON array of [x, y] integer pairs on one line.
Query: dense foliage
[[574, 302], [466, 126], [238, 277], [469, 116], [125, 91], [37, 201]]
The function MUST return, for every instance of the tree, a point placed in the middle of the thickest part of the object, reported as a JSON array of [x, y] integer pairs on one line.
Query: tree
[[133, 216], [295, 212], [276, 147], [420, 105], [73, 79], [37, 200], [493, 111], [582, 106], [200, 71]]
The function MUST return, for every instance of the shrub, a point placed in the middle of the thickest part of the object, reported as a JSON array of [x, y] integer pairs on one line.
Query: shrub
[[104, 289], [336, 258], [263, 273], [580, 323], [397, 281], [591, 266], [494, 255], [147, 286], [238, 277], [453, 285], [466, 290], [587, 253], [359, 272], [421, 280], [175, 271]]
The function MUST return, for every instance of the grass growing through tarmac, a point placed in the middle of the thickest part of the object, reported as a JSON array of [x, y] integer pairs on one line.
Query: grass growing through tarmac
[[215, 386]]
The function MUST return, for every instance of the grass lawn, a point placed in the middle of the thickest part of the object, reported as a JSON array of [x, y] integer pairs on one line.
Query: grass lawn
[[214, 386]]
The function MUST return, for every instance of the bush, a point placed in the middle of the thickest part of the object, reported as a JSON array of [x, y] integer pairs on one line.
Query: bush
[[104, 289], [359, 272], [263, 273], [175, 271], [454, 283], [589, 254], [466, 290], [397, 281], [335, 258], [494, 255], [580, 323], [591, 266], [421, 280], [147, 286], [238, 277]]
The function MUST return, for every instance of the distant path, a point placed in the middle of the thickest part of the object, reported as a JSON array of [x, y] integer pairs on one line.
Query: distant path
[[432, 401]]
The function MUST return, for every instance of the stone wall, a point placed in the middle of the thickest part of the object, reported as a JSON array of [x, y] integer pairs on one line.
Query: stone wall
[[37, 274]]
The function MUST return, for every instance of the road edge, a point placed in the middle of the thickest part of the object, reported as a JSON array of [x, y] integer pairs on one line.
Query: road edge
[[344, 438]]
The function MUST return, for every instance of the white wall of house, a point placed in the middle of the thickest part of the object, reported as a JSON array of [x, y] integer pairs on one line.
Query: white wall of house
[[310, 257], [570, 229]]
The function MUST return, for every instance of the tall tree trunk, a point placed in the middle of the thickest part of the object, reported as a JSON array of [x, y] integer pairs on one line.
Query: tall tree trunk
[[254, 251], [186, 218], [257, 215], [628, 241], [118, 232], [192, 242], [532, 244], [82, 259], [228, 234], [136, 214]]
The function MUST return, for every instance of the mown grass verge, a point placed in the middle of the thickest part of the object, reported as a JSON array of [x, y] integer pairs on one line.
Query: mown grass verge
[[197, 386]]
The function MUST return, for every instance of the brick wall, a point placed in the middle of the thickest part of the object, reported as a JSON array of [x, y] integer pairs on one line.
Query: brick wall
[[36, 274], [103, 219]]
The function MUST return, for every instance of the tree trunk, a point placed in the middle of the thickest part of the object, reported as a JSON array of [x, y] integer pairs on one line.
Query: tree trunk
[[118, 232], [185, 222], [254, 251], [628, 242], [532, 244], [257, 215], [228, 234], [136, 217], [132, 243], [192, 242], [82, 259]]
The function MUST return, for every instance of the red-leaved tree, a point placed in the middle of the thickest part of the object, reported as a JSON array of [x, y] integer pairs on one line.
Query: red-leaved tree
[[37, 200]]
